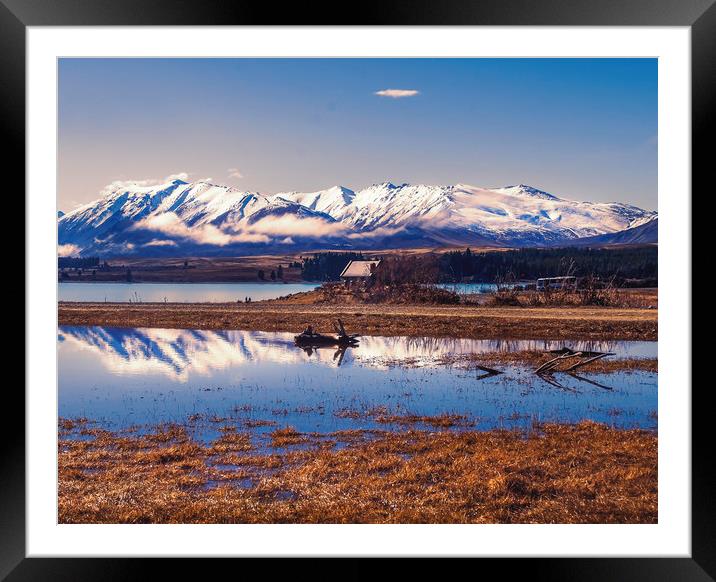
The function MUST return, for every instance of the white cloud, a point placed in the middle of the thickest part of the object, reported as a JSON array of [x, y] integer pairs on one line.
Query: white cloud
[[234, 173], [183, 176], [289, 224], [160, 243], [67, 250], [118, 184], [397, 93], [170, 224], [270, 229]]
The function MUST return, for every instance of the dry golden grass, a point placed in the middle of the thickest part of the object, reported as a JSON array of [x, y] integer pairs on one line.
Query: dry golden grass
[[383, 415], [230, 442], [284, 437], [361, 294], [586, 473], [606, 297], [461, 321]]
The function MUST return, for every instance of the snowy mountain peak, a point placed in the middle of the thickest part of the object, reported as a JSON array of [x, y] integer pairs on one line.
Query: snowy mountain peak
[[525, 190], [332, 201]]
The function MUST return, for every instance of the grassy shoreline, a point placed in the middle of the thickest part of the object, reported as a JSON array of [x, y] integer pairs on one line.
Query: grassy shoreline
[[583, 473], [463, 321]]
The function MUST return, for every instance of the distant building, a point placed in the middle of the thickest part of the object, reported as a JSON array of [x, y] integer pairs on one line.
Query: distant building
[[556, 283], [358, 270]]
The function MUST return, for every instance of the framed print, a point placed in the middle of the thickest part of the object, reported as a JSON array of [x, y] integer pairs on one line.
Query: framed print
[[393, 288]]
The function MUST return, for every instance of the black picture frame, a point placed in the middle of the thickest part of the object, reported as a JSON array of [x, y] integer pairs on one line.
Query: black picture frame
[[700, 15]]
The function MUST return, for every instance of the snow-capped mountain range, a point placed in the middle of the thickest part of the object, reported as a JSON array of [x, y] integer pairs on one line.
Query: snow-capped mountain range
[[181, 218]]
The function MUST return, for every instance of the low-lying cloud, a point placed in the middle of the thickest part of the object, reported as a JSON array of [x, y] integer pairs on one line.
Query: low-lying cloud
[[277, 229], [160, 243], [206, 234], [289, 225], [397, 93], [67, 250]]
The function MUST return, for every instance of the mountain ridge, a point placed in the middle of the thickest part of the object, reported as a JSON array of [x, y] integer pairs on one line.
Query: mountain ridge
[[179, 217]]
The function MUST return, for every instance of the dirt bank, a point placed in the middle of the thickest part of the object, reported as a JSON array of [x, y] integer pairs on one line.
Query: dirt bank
[[479, 322]]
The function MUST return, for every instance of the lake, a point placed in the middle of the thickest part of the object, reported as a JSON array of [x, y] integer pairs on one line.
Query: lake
[[127, 377], [208, 292], [178, 292]]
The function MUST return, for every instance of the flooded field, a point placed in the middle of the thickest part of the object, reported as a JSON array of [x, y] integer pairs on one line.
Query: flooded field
[[126, 377]]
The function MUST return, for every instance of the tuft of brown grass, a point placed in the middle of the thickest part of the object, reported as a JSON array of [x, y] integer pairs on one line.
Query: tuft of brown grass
[[585, 473], [444, 420], [68, 424], [284, 437], [382, 415], [231, 441]]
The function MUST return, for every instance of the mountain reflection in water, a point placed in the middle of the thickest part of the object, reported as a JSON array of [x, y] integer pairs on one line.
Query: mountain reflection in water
[[179, 353], [123, 377]]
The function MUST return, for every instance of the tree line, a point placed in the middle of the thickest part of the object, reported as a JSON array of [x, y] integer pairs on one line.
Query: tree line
[[528, 264], [618, 264], [77, 262]]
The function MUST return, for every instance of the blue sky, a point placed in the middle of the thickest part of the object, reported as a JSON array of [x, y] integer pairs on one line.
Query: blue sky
[[580, 128]]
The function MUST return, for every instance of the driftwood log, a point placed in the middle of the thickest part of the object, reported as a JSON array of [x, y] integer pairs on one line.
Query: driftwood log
[[551, 364], [567, 353], [588, 360]]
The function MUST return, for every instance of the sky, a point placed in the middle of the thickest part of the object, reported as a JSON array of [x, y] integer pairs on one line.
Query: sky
[[583, 129]]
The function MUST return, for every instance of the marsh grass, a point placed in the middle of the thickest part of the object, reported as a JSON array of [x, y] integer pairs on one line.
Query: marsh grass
[[285, 437], [382, 415], [231, 441], [585, 473]]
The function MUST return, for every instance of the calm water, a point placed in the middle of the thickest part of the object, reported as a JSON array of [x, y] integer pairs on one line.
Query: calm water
[[125, 377], [474, 288], [178, 292]]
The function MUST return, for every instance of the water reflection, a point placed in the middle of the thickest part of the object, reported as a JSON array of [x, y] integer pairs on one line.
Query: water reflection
[[124, 377], [338, 352], [180, 353], [590, 381]]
